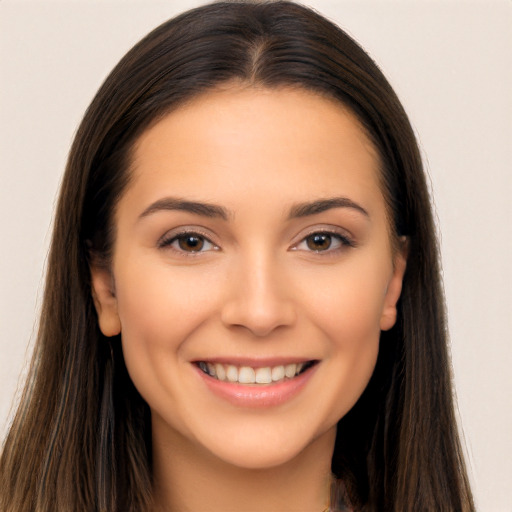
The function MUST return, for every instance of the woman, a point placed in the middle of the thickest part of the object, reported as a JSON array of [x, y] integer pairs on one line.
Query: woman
[[243, 308]]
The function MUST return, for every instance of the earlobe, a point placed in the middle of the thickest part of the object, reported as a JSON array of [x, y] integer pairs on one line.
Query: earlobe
[[105, 301], [389, 312]]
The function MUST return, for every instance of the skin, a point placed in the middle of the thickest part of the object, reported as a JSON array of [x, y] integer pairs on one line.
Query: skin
[[256, 289]]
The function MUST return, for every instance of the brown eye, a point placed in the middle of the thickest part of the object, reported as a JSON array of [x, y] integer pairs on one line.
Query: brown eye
[[187, 243], [191, 243], [324, 242], [319, 241]]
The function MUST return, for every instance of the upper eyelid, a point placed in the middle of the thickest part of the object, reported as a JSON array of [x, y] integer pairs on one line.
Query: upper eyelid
[[344, 240], [327, 229], [185, 230], [167, 241]]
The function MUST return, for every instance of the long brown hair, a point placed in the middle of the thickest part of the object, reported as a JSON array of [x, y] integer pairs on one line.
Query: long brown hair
[[81, 438]]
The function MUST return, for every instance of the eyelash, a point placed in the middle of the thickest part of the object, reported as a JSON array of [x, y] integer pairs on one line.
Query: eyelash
[[343, 241], [167, 241]]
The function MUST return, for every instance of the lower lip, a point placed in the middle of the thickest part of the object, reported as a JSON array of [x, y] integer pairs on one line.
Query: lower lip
[[259, 395]]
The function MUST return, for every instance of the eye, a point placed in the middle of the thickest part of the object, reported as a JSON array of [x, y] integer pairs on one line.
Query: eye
[[324, 241], [188, 242]]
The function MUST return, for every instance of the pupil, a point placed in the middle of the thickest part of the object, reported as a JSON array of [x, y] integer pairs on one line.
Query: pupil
[[319, 242], [191, 243]]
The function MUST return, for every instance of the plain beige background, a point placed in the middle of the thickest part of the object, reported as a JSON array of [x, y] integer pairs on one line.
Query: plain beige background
[[450, 62]]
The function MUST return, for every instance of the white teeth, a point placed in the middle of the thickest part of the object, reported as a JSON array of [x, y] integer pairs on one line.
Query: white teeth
[[249, 375], [290, 370], [211, 369], [277, 373], [232, 373], [220, 371], [246, 375], [264, 375]]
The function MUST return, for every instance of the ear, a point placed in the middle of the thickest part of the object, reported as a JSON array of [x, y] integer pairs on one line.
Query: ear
[[105, 301], [388, 317]]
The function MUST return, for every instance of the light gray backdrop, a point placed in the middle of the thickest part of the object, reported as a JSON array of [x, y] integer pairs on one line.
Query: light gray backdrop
[[450, 63]]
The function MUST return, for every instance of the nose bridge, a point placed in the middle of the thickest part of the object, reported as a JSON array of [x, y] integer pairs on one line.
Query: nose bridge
[[258, 297]]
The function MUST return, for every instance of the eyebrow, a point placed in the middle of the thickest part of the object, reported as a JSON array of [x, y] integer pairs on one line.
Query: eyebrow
[[214, 211], [198, 208], [322, 205]]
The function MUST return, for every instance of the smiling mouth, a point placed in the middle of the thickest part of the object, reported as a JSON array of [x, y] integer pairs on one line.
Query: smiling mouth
[[254, 376]]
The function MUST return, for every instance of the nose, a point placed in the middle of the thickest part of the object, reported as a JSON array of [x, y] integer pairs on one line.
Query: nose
[[259, 298]]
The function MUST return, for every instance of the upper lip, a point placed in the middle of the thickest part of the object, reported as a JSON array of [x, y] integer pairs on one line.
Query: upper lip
[[255, 362]]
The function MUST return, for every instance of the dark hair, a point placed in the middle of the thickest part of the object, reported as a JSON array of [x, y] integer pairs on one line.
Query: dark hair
[[81, 437]]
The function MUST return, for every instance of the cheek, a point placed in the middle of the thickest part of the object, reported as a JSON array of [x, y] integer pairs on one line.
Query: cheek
[[351, 322], [348, 304], [348, 313], [161, 300], [159, 310]]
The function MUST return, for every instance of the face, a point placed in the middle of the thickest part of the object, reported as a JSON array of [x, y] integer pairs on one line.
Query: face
[[252, 272]]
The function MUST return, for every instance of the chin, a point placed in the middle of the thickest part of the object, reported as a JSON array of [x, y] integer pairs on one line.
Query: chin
[[267, 450], [258, 459]]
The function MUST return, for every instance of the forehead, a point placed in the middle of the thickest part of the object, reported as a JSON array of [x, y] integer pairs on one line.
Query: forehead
[[233, 141]]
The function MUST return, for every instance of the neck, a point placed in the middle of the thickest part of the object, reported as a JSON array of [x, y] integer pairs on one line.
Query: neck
[[188, 479]]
